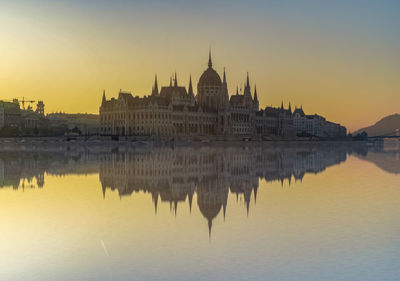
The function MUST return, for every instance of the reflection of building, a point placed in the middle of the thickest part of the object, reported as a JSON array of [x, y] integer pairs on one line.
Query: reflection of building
[[206, 175], [175, 112], [174, 175]]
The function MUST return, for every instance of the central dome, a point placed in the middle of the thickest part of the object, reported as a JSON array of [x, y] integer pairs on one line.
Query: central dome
[[210, 78]]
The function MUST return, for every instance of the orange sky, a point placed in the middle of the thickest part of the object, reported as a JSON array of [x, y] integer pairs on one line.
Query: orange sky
[[336, 60]]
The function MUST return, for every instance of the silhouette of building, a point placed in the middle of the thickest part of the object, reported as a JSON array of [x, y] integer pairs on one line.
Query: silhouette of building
[[316, 125], [177, 112], [175, 175]]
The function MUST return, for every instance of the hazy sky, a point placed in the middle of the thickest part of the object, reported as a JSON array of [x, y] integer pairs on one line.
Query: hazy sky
[[337, 58]]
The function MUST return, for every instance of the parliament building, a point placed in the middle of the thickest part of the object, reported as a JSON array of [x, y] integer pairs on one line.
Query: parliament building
[[174, 112]]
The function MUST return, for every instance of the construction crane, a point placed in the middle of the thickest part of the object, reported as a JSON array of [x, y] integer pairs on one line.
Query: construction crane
[[22, 100]]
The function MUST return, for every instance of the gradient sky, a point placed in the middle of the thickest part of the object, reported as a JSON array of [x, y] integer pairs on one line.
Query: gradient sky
[[338, 58]]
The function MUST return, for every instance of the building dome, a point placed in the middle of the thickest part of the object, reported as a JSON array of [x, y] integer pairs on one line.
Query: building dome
[[210, 78]]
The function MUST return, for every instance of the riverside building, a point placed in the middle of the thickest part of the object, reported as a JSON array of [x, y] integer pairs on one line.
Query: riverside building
[[174, 112]]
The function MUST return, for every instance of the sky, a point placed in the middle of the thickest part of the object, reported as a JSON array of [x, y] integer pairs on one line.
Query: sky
[[340, 59]]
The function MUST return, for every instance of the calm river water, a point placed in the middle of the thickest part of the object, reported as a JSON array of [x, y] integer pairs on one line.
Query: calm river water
[[272, 212]]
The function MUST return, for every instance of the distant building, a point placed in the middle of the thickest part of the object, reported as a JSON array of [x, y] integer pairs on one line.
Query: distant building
[[88, 124], [10, 114], [177, 112], [316, 125]]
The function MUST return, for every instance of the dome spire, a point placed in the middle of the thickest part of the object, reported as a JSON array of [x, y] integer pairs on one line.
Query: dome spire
[[209, 59]]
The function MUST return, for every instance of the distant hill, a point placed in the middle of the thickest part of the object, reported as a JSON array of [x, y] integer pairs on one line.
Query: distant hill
[[385, 125]]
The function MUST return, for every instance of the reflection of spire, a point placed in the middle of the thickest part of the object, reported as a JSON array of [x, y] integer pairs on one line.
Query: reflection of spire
[[155, 200], [209, 228], [190, 197], [103, 187], [224, 209]]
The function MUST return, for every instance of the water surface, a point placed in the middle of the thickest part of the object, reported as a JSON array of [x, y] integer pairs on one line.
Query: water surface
[[272, 212]]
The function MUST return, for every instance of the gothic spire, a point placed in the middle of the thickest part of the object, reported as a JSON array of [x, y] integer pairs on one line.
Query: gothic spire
[[176, 80], [255, 94], [237, 90], [104, 96], [290, 108], [190, 90], [282, 105], [224, 80], [209, 59], [247, 80], [155, 87], [170, 81]]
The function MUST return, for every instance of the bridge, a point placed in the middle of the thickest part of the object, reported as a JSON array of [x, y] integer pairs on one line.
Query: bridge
[[392, 135]]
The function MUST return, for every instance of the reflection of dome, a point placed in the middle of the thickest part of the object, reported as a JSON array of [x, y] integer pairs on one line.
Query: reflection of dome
[[209, 209], [210, 78]]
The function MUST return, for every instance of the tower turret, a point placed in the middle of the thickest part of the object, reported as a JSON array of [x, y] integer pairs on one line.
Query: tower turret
[[176, 80], [155, 87], [190, 90], [256, 103], [209, 59], [104, 97], [247, 91]]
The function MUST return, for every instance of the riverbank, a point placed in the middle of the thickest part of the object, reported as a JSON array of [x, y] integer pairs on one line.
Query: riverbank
[[99, 144]]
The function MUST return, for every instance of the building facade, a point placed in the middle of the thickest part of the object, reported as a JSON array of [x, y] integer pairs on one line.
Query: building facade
[[316, 126], [174, 112]]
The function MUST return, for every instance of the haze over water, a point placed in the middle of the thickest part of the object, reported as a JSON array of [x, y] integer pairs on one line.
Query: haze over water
[[271, 212]]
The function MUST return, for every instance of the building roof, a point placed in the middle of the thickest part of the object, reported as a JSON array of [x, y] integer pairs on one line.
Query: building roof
[[173, 91], [237, 100], [299, 111]]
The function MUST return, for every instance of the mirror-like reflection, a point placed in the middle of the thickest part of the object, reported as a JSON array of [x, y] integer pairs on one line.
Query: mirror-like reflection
[[159, 213], [174, 175]]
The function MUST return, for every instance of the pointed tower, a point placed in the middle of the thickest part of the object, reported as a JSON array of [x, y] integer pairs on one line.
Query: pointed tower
[[224, 93], [209, 59], [256, 103], [104, 97], [155, 87], [290, 108], [282, 105], [170, 81], [247, 91], [176, 80], [224, 79], [190, 89]]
